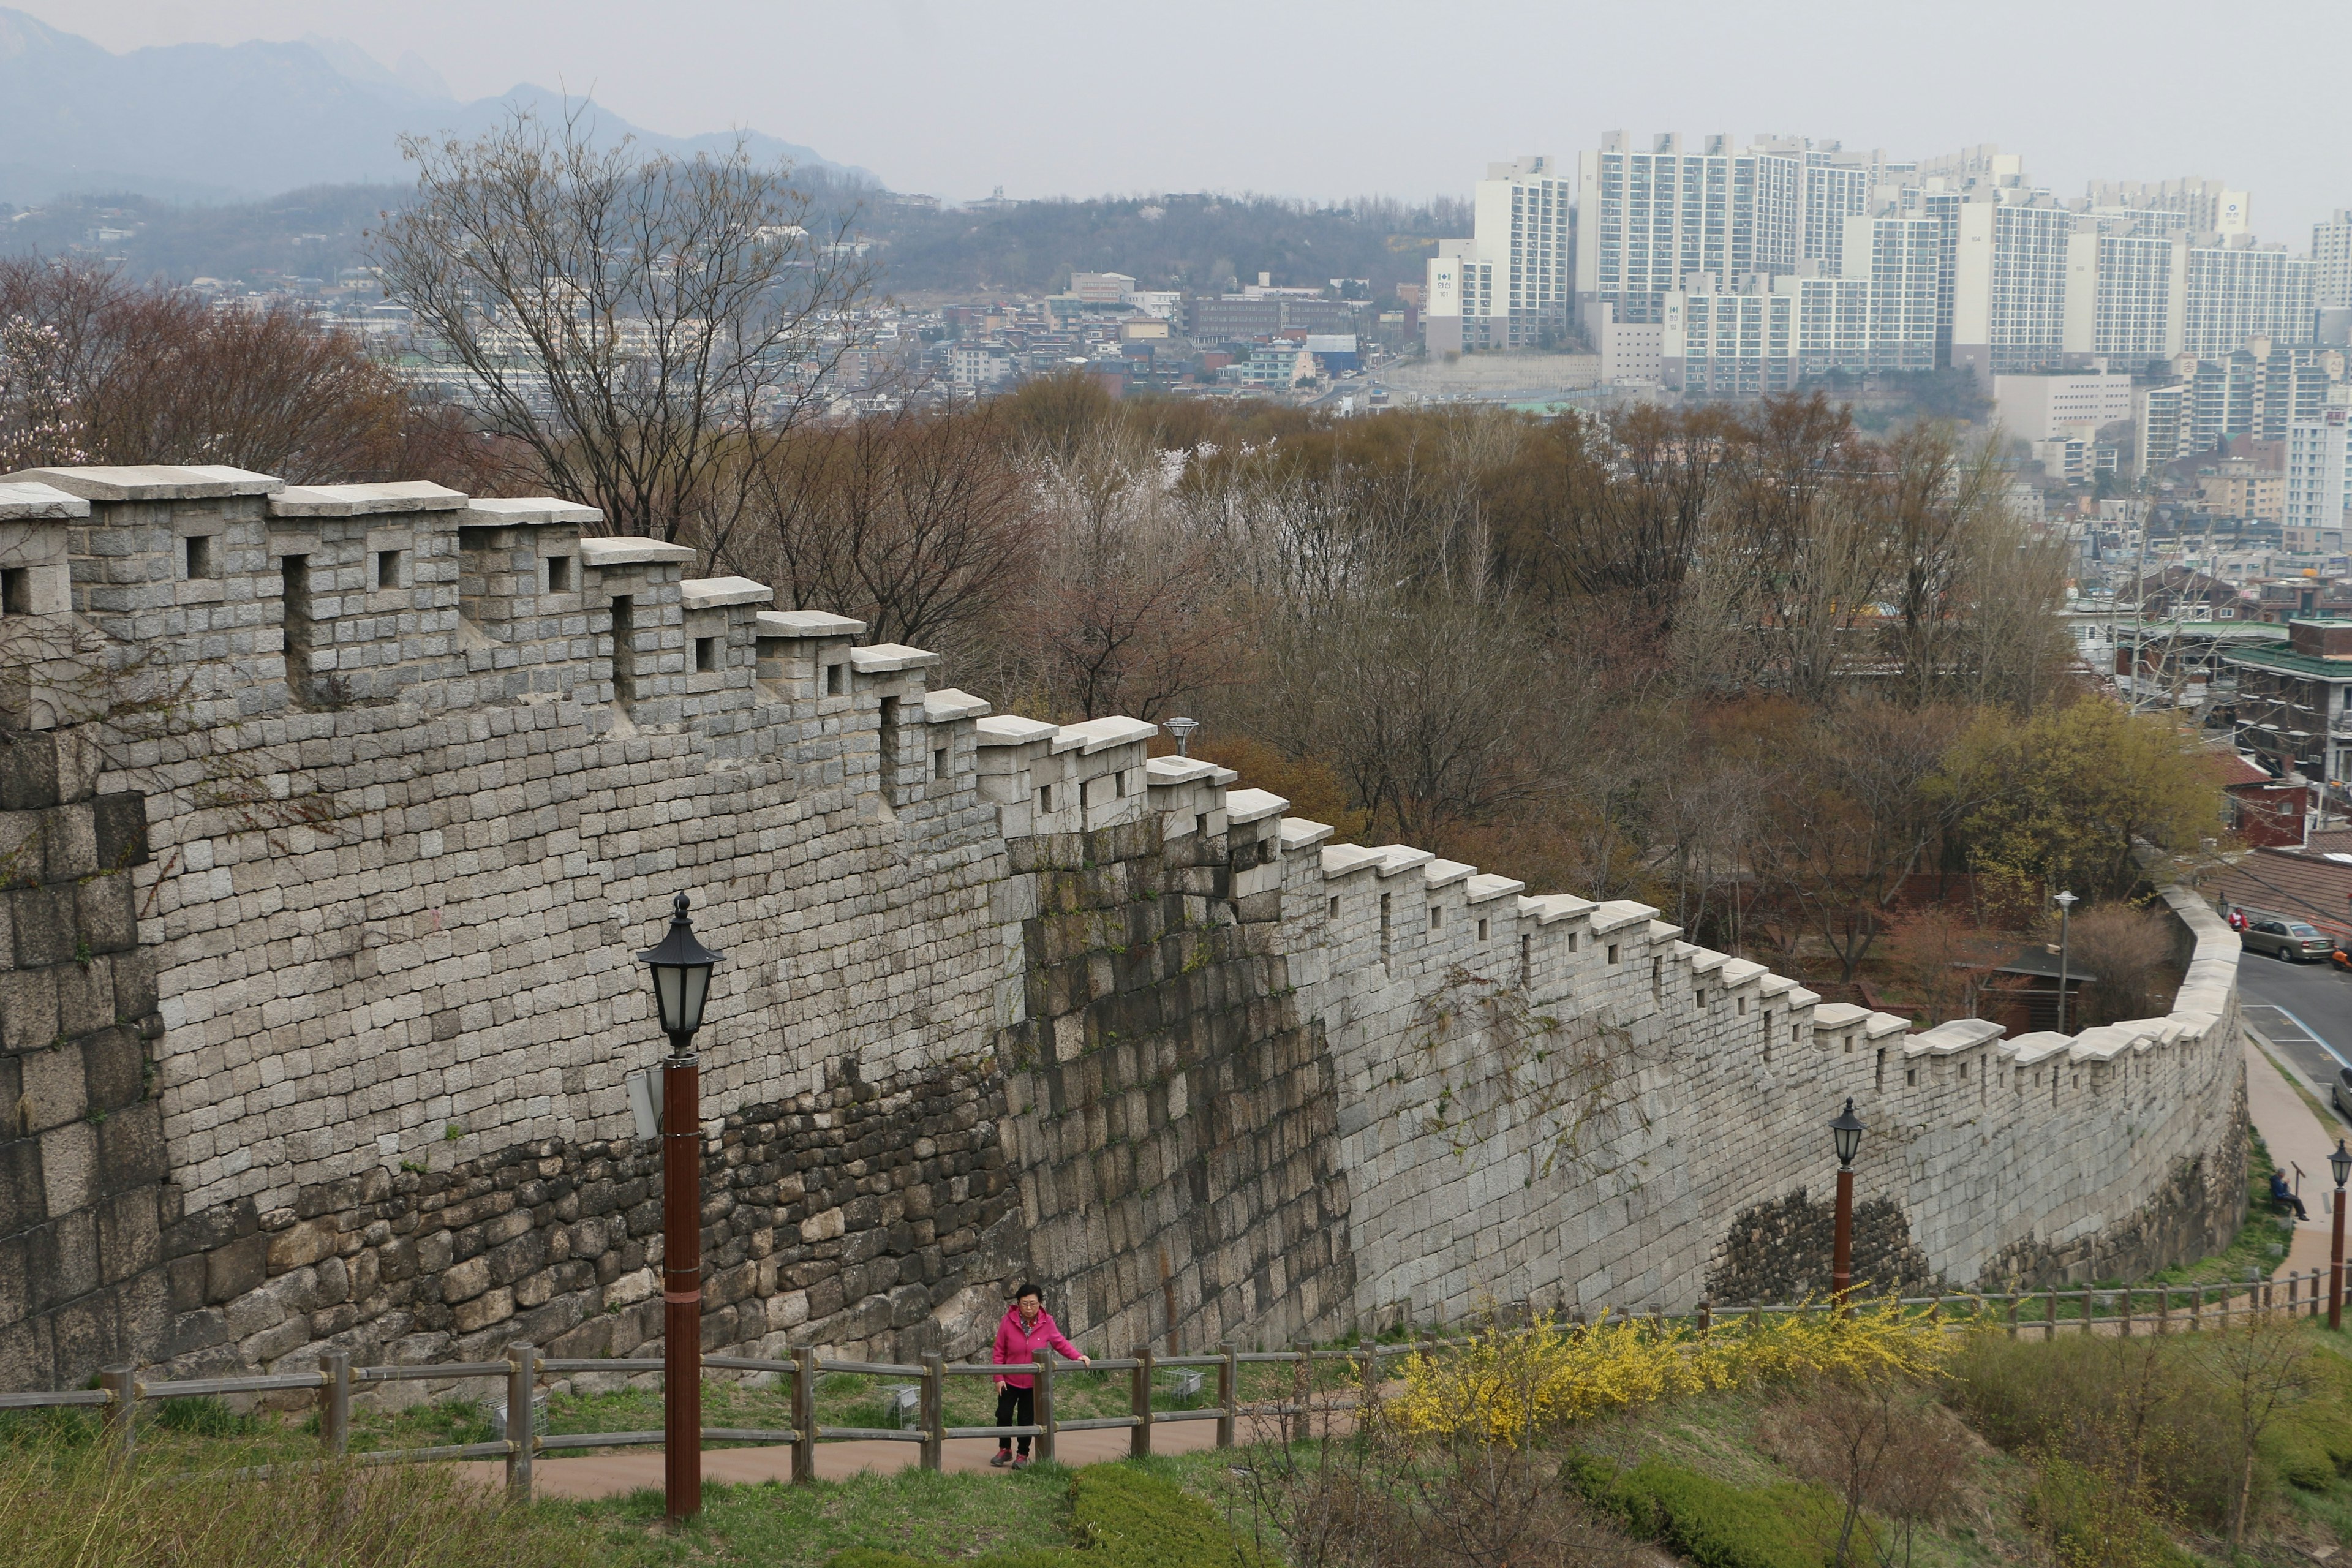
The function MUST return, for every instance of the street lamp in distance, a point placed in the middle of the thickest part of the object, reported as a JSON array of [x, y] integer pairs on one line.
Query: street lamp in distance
[[1845, 1137], [2065, 902], [2340, 1163], [680, 967], [1182, 730]]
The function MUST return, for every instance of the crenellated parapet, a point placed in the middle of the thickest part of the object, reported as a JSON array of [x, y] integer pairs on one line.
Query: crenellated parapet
[[1001, 997]]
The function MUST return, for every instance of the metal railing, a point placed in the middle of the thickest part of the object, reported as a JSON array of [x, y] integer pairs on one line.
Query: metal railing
[[2119, 1309]]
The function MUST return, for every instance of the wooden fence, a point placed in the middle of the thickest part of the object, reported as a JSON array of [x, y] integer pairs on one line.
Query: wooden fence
[[2156, 1308]]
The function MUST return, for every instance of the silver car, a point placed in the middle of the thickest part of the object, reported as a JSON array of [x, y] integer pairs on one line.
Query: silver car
[[2290, 940]]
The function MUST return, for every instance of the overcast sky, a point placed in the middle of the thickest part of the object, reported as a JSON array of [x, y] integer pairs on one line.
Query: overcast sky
[[1405, 99]]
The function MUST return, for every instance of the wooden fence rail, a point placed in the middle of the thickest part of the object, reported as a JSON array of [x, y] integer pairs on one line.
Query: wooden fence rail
[[2124, 1310]]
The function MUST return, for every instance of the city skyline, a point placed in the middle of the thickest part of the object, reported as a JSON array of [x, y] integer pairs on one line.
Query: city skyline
[[917, 91]]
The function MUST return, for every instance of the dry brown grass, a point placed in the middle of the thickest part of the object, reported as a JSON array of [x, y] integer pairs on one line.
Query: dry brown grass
[[73, 1507]]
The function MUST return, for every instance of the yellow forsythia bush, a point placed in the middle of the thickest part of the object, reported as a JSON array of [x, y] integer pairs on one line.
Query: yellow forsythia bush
[[1512, 1383]]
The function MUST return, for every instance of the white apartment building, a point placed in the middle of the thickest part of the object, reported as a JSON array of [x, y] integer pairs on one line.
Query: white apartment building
[[2159, 424], [1647, 220], [1901, 258], [2125, 292], [979, 364], [2202, 205], [2044, 407], [1833, 323], [2239, 291], [1508, 285], [2008, 282], [1630, 350], [1734, 345], [2331, 259], [1457, 309], [1524, 226], [2318, 482]]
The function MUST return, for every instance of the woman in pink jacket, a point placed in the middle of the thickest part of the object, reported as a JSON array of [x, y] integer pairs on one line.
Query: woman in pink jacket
[[1027, 1328]]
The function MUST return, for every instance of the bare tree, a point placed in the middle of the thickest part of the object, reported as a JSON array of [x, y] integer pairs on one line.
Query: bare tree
[[924, 525], [149, 375], [632, 322], [2130, 950], [1883, 1447], [2261, 1369], [1131, 611]]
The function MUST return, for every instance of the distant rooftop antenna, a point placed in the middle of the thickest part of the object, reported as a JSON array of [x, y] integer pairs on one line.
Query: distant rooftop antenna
[[1182, 730]]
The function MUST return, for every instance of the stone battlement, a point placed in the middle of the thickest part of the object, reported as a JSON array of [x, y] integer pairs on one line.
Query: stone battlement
[[366, 795]]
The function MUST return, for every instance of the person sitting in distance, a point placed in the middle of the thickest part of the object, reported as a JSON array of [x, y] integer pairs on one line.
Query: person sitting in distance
[[1027, 1329], [2283, 1195]]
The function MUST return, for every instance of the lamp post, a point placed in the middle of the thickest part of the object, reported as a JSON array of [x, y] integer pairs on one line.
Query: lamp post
[[681, 977], [1182, 730], [1845, 1137], [2340, 1163], [2066, 902]]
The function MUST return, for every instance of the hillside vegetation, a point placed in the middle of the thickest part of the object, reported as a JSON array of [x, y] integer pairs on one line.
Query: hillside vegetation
[[1194, 242]]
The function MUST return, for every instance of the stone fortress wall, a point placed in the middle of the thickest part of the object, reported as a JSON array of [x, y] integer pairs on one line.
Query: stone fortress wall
[[321, 997]]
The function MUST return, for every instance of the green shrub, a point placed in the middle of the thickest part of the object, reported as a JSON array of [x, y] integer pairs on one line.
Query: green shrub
[[2102, 1400], [1119, 1518], [1713, 1523], [2086, 1518]]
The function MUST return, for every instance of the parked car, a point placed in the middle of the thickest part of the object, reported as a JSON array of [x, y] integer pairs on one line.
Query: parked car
[[2341, 1091], [2292, 940]]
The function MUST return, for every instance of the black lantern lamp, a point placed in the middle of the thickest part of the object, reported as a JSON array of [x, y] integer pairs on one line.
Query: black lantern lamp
[[681, 969], [1846, 1133], [2340, 1163]]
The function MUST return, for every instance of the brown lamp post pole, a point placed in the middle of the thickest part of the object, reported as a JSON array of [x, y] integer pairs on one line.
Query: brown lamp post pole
[[2340, 1163], [681, 975], [1845, 1136]]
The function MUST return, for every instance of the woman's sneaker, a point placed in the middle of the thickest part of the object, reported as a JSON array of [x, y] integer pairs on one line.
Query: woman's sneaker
[[1003, 1457], [1019, 1461]]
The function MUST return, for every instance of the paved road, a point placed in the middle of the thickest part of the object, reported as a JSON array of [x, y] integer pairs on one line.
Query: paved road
[[2305, 1011]]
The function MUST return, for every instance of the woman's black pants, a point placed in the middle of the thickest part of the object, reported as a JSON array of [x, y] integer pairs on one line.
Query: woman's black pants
[[1015, 1408]]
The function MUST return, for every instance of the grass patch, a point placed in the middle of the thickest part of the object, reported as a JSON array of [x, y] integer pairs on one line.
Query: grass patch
[[910, 1516], [65, 1505], [1712, 1522]]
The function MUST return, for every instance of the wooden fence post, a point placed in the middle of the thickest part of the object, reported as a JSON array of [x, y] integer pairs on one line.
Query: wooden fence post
[[335, 1402], [1044, 1406], [1138, 1437], [522, 1431], [1706, 1317], [805, 1415], [2013, 1314], [121, 1411], [2259, 1291], [2050, 1314], [1302, 1392], [935, 1385], [1229, 1389], [2128, 1312]]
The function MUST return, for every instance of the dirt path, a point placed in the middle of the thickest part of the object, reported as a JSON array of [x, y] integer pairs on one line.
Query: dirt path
[[617, 1475]]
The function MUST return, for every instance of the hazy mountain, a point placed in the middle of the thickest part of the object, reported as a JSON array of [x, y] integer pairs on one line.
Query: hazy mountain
[[213, 122]]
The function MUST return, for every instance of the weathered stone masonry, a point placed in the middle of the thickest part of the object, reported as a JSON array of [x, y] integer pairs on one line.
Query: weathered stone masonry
[[412, 776]]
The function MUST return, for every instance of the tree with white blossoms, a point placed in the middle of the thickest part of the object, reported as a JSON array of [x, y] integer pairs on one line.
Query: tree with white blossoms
[[38, 426]]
